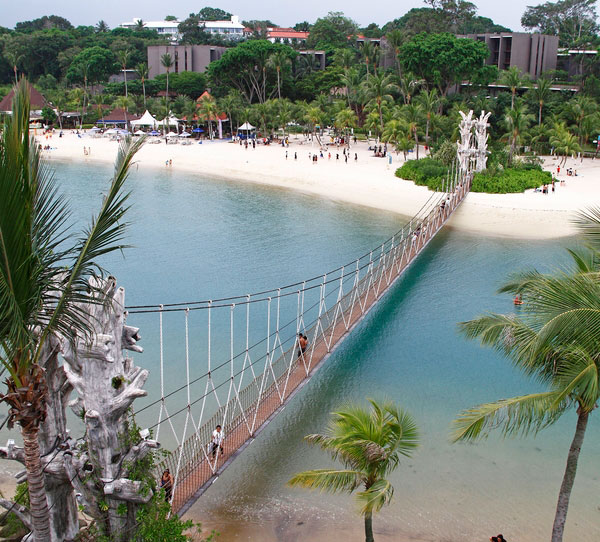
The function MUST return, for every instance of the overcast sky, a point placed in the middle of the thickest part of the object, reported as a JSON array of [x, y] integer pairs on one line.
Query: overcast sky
[[281, 12]]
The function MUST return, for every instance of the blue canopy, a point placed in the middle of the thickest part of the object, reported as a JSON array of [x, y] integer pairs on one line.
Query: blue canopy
[[198, 130], [154, 132]]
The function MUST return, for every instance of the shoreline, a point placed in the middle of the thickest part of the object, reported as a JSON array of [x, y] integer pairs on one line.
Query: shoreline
[[369, 181]]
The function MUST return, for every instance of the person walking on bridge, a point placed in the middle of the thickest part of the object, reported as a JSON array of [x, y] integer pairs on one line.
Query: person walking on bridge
[[302, 344], [217, 440]]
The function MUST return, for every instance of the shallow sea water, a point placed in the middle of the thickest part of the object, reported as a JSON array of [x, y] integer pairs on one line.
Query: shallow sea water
[[197, 238]]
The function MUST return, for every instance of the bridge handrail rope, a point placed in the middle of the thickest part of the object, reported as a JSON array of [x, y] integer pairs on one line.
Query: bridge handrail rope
[[345, 295]]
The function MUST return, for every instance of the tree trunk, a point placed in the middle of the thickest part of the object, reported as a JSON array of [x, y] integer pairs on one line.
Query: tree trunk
[[512, 99], [144, 91], [569, 477], [64, 523], [125, 78], [369, 528], [417, 142], [278, 85], [40, 516], [540, 114]]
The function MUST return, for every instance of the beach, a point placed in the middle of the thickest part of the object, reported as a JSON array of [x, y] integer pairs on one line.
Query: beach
[[368, 181]]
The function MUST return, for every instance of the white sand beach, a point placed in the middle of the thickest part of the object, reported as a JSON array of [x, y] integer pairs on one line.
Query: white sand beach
[[366, 181]]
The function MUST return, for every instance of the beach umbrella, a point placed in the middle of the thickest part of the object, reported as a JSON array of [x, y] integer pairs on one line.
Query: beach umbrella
[[185, 134], [112, 131], [197, 130], [154, 133], [171, 134], [95, 129], [140, 133]]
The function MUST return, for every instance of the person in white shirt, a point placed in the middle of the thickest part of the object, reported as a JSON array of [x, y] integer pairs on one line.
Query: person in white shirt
[[217, 440]]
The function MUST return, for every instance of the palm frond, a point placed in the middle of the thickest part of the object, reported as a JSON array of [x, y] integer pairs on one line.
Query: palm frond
[[376, 497], [330, 480], [578, 376], [516, 416], [588, 224]]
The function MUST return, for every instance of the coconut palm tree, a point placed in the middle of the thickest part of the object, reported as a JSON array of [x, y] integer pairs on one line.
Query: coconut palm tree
[[395, 39], [409, 84], [429, 102], [517, 121], [370, 54], [313, 116], [44, 273], [540, 93], [370, 444], [513, 78], [345, 120], [123, 58], [231, 105], [556, 340], [378, 89], [279, 60], [577, 110], [208, 111], [142, 72], [14, 59], [102, 27], [166, 61], [413, 115], [564, 142], [395, 132], [344, 58], [139, 25]]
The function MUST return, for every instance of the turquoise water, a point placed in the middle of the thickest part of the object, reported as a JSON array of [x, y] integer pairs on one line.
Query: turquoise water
[[197, 238]]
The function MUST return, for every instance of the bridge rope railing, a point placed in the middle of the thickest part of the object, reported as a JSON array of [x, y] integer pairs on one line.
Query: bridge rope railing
[[244, 391]]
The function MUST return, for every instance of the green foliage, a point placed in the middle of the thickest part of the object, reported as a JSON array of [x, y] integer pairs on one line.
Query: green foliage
[[446, 153], [443, 59], [331, 32], [425, 172], [510, 180], [98, 62], [48, 115], [213, 14]]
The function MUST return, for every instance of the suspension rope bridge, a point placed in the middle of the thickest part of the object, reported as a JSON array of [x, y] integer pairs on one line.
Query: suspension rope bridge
[[267, 363]]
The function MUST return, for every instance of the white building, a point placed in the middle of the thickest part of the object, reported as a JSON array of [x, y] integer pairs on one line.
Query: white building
[[231, 29], [164, 28]]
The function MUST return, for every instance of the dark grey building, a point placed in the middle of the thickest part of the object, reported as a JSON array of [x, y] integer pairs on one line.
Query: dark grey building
[[533, 54], [186, 58]]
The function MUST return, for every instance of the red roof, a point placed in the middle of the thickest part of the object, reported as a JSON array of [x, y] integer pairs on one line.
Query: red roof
[[119, 115], [36, 100], [206, 96], [288, 33]]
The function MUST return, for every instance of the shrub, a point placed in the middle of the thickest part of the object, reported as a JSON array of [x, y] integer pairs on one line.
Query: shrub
[[425, 172], [510, 180], [446, 153], [495, 180]]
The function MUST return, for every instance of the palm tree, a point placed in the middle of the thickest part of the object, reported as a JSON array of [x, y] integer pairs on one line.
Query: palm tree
[[513, 78], [395, 39], [344, 58], [231, 104], [564, 142], [541, 92], [279, 60], [517, 121], [577, 110], [378, 90], [166, 61], [429, 102], [207, 110], [139, 25], [370, 54], [142, 72], [408, 86], [123, 58], [102, 26], [123, 102], [413, 115], [370, 444], [346, 119], [43, 279], [395, 132], [14, 59], [557, 342]]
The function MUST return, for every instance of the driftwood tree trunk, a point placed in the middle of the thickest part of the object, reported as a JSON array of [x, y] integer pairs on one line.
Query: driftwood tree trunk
[[107, 383]]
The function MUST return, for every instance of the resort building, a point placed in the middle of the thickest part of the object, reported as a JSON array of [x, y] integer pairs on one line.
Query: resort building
[[186, 58], [533, 54], [168, 29], [232, 29], [289, 36], [37, 102], [574, 61], [228, 29], [317, 56]]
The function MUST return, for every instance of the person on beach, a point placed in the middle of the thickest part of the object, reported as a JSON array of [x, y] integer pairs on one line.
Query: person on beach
[[217, 440], [498, 538], [329, 156], [355, 157], [170, 162], [295, 156], [337, 155], [166, 483], [286, 154]]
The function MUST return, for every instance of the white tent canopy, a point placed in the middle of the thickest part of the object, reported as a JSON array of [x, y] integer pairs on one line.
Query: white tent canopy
[[146, 120], [246, 126], [171, 134], [171, 121], [139, 132]]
